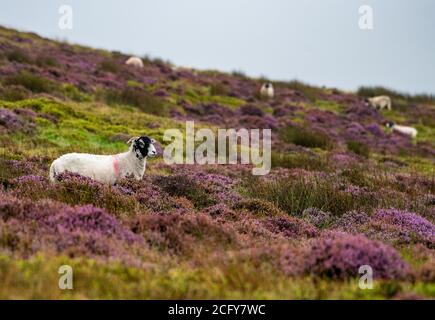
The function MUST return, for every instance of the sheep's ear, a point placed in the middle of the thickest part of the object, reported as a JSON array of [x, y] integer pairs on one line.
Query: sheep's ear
[[132, 139]]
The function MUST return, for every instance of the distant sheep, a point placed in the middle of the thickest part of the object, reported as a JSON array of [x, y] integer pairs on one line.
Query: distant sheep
[[381, 102], [135, 62], [107, 168], [267, 90], [409, 131]]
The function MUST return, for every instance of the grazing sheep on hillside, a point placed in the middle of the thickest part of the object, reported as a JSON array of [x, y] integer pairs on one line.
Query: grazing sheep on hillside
[[108, 168], [267, 90], [409, 131], [135, 62], [380, 102]]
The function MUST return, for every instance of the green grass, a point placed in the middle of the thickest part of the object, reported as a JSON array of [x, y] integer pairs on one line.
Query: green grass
[[306, 137], [87, 127], [328, 106], [194, 94], [37, 278]]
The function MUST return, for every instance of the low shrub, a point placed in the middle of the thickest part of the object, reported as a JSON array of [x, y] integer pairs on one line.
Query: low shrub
[[306, 137], [74, 189], [290, 227], [218, 89], [300, 160], [185, 186], [139, 98], [340, 255], [310, 92], [259, 207], [294, 195], [27, 227], [179, 233], [14, 93], [32, 82], [109, 65], [358, 148], [18, 55]]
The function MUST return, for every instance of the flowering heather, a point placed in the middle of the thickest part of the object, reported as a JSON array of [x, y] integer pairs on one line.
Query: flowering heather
[[219, 210], [49, 225], [316, 217], [290, 227], [259, 207], [411, 224], [339, 255], [13, 121], [179, 232], [73, 189], [352, 221]]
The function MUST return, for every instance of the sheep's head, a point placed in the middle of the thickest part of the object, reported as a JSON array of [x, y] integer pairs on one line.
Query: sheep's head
[[143, 146], [389, 124]]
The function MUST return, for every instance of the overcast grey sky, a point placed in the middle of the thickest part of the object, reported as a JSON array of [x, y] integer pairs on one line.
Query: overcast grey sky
[[317, 41]]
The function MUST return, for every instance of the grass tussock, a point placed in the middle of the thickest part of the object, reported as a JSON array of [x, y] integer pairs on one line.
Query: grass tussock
[[306, 137]]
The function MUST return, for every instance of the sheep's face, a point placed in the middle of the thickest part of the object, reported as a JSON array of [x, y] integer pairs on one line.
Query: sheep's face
[[389, 124], [144, 147]]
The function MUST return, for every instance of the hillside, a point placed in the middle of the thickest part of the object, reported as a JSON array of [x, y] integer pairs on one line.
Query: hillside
[[344, 190]]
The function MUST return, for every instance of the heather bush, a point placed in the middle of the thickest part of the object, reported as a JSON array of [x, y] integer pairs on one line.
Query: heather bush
[[339, 255], [358, 148], [74, 189], [201, 187], [317, 217], [184, 186], [352, 221], [27, 227], [221, 211], [259, 207], [14, 93], [308, 91], [137, 97], [32, 82], [44, 60], [18, 55], [251, 110], [10, 169], [218, 89], [180, 233], [290, 227], [411, 225], [109, 65], [306, 137]]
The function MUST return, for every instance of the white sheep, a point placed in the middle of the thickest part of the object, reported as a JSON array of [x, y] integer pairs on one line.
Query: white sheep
[[107, 168], [135, 62], [409, 131], [267, 90], [380, 102]]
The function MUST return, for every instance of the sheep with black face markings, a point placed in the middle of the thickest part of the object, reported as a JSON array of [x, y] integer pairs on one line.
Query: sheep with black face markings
[[108, 168], [267, 90], [409, 131]]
